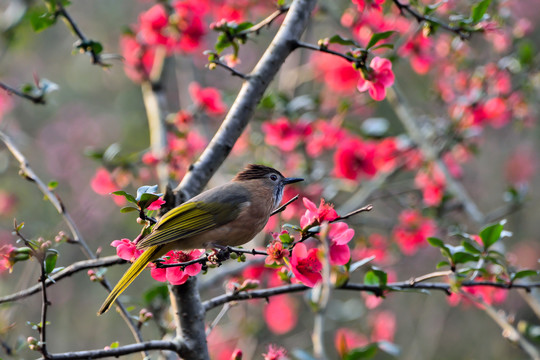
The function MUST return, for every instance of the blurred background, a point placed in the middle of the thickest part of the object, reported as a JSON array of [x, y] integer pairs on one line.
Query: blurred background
[[100, 110]]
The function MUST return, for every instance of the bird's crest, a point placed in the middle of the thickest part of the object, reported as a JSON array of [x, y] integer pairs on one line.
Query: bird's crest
[[255, 171]]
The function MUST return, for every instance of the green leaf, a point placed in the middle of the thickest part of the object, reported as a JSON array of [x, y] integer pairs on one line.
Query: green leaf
[[440, 264], [478, 10], [364, 352], [491, 234], [40, 19], [470, 247], [242, 27], [127, 209], [96, 47], [524, 273], [463, 257], [52, 185], [147, 189], [114, 345], [286, 239], [435, 242], [388, 46], [147, 199], [337, 39], [375, 38], [50, 262], [128, 197], [376, 277]]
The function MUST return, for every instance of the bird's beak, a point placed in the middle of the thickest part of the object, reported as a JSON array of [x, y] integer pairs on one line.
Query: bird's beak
[[291, 180]]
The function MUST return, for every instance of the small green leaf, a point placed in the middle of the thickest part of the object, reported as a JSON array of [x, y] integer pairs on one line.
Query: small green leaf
[[337, 39], [364, 352], [50, 262], [524, 273], [435, 242], [40, 19], [128, 197], [20, 226], [376, 277], [463, 257], [440, 264], [478, 10], [375, 38], [127, 209], [470, 247], [388, 46], [242, 27], [147, 199], [491, 234], [52, 185], [114, 345], [286, 239]]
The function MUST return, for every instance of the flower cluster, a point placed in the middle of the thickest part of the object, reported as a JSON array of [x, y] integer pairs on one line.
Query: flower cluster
[[412, 231]]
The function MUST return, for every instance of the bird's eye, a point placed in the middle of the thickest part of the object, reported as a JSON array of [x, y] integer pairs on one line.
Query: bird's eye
[[273, 177]]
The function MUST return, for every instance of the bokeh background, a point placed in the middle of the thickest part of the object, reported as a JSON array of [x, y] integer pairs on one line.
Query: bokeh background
[[94, 108]]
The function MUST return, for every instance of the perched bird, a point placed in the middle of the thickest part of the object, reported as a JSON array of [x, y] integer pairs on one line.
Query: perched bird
[[227, 215]]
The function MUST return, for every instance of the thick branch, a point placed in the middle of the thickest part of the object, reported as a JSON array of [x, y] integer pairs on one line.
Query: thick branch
[[249, 96]]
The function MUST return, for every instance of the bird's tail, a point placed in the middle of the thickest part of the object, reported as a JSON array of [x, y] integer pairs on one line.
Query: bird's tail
[[134, 270]]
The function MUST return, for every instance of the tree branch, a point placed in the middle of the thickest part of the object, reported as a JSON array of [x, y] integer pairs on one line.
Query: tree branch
[[68, 271], [249, 96], [39, 99]]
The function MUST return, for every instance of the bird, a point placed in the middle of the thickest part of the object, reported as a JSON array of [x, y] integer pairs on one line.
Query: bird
[[227, 215]]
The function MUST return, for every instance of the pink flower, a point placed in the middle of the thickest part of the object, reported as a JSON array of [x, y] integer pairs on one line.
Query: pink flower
[[316, 216], [153, 23], [6, 104], [138, 58], [126, 249], [379, 77], [336, 73], [339, 235], [156, 205], [305, 265], [102, 183], [276, 253], [371, 4], [355, 158], [175, 275], [7, 254], [326, 136], [275, 353], [281, 314], [345, 340], [413, 230], [285, 135], [209, 99], [433, 183], [418, 48], [384, 326]]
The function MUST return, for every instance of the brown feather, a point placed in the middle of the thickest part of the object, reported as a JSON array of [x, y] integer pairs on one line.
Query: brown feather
[[255, 171]]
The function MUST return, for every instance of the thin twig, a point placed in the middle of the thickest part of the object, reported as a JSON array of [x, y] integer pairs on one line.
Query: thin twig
[[85, 43], [284, 206], [462, 32], [266, 22], [233, 71], [66, 272], [36, 99]]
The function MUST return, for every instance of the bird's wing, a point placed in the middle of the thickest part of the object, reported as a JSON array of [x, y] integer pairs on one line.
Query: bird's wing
[[194, 217]]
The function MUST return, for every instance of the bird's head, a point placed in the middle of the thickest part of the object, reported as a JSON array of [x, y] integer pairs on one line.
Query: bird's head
[[267, 177]]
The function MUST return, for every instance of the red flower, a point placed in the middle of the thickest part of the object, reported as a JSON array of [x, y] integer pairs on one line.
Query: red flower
[[355, 158], [276, 253], [126, 249], [102, 182], [384, 326], [339, 235], [337, 74], [316, 216], [275, 353], [326, 136], [371, 4], [433, 183], [7, 253], [284, 134], [209, 99], [156, 205], [153, 23], [175, 275], [280, 314], [418, 48], [138, 59], [379, 76], [413, 230], [305, 265]]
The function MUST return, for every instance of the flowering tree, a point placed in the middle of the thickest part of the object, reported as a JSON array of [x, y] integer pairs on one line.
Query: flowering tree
[[408, 120]]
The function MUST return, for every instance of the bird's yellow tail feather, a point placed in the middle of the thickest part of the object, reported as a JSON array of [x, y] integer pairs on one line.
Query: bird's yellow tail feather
[[134, 270]]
